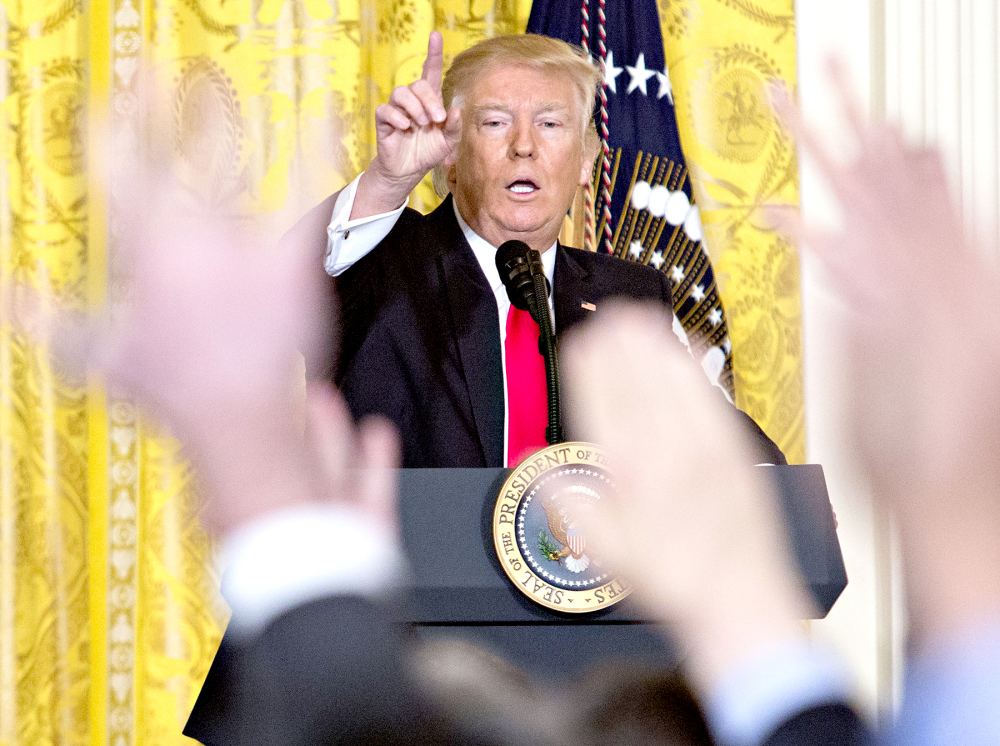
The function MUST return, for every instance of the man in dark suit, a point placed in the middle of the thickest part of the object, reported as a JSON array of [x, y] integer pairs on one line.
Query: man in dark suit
[[426, 320], [420, 311]]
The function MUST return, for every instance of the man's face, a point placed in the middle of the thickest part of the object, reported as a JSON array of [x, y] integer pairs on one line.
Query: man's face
[[521, 156]]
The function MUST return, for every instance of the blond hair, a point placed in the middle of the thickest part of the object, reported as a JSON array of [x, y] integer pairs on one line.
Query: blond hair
[[535, 52]]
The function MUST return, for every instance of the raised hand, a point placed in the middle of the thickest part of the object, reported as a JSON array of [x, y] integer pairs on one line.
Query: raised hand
[[208, 339], [414, 134], [695, 530], [356, 465], [922, 350]]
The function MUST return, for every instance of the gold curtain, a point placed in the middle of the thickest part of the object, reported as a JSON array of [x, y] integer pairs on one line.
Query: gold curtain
[[109, 613], [721, 55]]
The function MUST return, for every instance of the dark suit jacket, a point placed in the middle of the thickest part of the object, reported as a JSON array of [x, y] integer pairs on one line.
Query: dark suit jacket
[[421, 340], [335, 670]]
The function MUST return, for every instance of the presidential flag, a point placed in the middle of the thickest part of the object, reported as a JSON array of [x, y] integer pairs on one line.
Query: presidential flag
[[643, 206]]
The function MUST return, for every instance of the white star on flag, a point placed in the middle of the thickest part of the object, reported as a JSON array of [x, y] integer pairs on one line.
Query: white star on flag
[[611, 72], [715, 318], [639, 74], [677, 273], [657, 259], [635, 249], [698, 292], [665, 88]]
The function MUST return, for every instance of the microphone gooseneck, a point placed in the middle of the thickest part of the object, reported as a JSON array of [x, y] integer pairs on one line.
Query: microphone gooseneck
[[523, 276]]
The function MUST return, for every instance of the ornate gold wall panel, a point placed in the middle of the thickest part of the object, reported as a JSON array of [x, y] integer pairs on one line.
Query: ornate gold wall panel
[[721, 55], [44, 563]]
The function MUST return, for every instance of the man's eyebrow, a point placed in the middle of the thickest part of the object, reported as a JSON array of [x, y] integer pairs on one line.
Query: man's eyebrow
[[544, 108], [553, 106], [491, 106]]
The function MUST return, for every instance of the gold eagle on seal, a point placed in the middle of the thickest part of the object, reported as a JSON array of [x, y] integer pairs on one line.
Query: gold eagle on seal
[[563, 509]]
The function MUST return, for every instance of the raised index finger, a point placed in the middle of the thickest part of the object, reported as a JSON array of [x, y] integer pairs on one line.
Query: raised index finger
[[434, 61]]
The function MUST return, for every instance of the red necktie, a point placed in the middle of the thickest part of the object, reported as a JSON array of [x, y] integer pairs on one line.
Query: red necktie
[[527, 402]]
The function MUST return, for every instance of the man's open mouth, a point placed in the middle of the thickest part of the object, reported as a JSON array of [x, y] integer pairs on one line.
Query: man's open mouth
[[522, 186]]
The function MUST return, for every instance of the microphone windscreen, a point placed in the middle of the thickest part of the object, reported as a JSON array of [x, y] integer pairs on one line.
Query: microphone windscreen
[[510, 254], [515, 260]]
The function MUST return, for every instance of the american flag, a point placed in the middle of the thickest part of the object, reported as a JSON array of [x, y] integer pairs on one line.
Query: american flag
[[644, 209]]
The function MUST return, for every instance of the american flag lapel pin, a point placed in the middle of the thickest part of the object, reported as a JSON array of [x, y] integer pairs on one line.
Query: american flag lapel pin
[[587, 306]]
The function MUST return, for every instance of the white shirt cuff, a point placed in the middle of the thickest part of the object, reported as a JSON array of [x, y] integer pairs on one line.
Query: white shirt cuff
[[301, 554], [348, 240], [771, 687], [952, 692]]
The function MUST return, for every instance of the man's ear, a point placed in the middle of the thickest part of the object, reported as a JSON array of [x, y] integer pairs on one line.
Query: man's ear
[[443, 177], [591, 149]]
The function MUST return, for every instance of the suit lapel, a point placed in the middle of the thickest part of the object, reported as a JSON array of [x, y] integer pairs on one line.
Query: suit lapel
[[572, 286], [475, 327]]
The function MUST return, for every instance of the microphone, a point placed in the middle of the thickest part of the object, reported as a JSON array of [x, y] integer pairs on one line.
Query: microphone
[[519, 265], [523, 276]]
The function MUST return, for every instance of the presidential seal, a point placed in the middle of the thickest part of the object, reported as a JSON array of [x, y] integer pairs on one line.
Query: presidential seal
[[540, 544]]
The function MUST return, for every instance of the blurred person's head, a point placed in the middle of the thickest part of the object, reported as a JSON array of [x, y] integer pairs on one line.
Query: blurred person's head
[[486, 698], [631, 703], [490, 700]]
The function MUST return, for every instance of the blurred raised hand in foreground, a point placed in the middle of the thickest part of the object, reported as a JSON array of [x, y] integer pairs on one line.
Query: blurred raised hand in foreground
[[207, 334], [922, 328], [922, 331]]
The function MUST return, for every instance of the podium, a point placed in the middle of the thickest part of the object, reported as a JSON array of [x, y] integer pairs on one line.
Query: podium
[[457, 588]]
